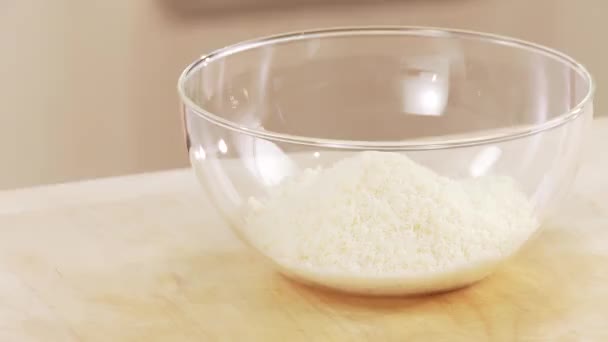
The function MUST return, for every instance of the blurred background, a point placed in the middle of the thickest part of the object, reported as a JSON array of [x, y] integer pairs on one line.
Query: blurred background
[[87, 88]]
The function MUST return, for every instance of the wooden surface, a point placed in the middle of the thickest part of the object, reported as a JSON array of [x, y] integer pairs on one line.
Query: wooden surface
[[144, 258]]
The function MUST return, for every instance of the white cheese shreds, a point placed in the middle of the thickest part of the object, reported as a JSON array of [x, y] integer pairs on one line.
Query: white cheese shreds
[[378, 222]]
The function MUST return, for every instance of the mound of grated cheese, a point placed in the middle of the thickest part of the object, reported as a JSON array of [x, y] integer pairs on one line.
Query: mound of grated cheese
[[380, 223]]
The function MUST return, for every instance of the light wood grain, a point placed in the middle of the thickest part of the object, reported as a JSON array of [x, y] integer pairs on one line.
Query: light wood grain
[[144, 258]]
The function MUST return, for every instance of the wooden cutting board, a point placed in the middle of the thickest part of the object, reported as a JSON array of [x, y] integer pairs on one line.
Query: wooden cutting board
[[145, 258]]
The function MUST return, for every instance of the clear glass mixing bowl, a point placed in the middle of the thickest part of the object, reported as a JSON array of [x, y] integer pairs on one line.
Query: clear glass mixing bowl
[[463, 104]]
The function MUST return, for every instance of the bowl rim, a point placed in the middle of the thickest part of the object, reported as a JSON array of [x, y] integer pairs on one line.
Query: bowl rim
[[407, 144]]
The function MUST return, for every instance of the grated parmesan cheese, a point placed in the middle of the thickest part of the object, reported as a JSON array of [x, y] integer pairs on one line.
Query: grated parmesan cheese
[[379, 223]]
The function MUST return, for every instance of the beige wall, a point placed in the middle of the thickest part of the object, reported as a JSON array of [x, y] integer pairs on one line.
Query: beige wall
[[88, 87]]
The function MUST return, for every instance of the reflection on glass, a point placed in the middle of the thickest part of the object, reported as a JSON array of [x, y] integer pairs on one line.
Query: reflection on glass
[[199, 153], [272, 164], [424, 87], [221, 145], [484, 160], [266, 161]]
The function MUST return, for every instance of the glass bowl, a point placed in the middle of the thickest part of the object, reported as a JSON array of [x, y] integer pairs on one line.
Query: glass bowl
[[280, 132]]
